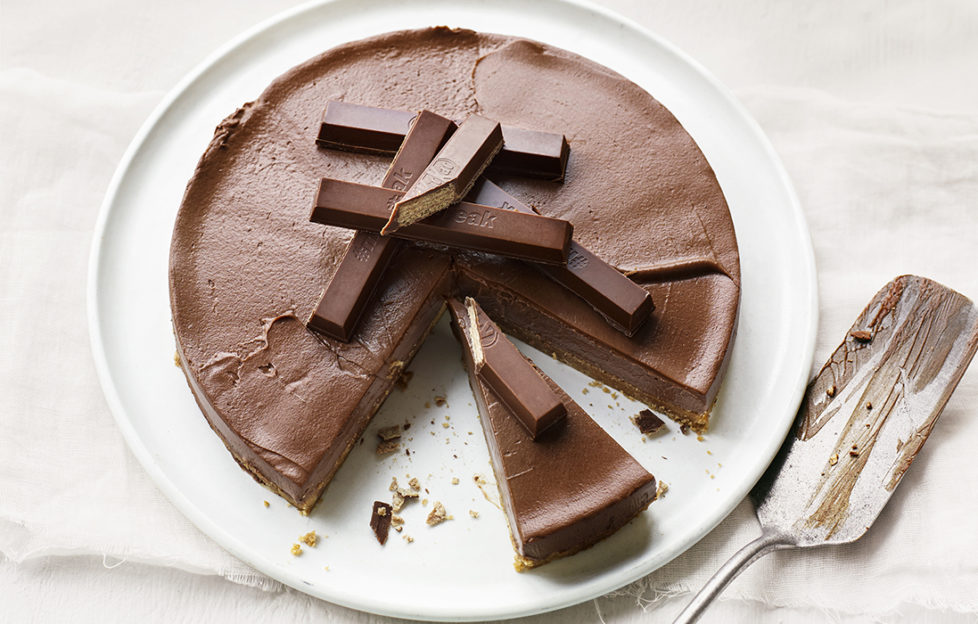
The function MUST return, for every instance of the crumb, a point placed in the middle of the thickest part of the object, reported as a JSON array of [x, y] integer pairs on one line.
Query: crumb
[[648, 423], [661, 488], [389, 433], [831, 390], [861, 335], [614, 395], [406, 426], [380, 521], [265, 503], [424, 502], [440, 401], [326, 568], [309, 539], [834, 459], [479, 479], [594, 383], [584, 391], [398, 501], [606, 390], [399, 528], [868, 425], [473, 513], [445, 425], [387, 447], [407, 452], [296, 550], [414, 483], [454, 480], [396, 520], [427, 404], [437, 515], [176, 359], [393, 486], [869, 405], [684, 428], [699, 438], [408, 539], [854, 453], [403, 380]]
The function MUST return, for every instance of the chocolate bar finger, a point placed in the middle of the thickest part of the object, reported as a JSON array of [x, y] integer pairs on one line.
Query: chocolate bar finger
[[463, 225], [371, 130], [503, 368], [451, 174], [623, 303], [361, 268]]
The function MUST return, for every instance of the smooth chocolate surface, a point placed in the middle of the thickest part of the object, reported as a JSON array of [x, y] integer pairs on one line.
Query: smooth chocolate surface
[[625, 304], [463, 225], [353, 284], [501, 366], [562, 493], [451, 174], [372, 130], [246, 265]]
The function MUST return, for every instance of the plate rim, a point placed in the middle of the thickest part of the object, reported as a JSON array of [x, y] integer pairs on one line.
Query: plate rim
[[233, 545]]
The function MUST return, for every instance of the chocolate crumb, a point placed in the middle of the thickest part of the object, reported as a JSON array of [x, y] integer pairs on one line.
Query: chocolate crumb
[[441, 401], [437, 515], [403, 380], [869, 405], [380, 521], [296, 550], [647, 422], [406, 426], [389, 433], [387, 447], [854, 453], [861, 335], [309, 539], [684, 428], [831, 390]]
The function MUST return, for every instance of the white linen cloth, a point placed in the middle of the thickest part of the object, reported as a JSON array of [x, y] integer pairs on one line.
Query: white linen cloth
[[875, 115]]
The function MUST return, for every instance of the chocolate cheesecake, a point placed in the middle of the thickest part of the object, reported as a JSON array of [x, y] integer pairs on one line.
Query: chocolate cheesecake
[[247, 267], [564, 490]]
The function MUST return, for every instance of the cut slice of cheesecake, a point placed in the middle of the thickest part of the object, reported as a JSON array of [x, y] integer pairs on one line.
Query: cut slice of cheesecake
[[565, 491]]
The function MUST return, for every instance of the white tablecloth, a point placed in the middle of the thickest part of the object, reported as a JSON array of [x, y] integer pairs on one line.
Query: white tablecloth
[[873, 106]]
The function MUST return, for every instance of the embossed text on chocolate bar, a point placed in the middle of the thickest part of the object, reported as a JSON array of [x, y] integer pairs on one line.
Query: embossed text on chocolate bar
[[464, 225]]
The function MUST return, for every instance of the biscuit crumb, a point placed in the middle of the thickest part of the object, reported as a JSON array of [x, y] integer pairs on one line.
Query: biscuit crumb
[[834, 459], [396, 520], [437, 515], [440, 400], [393, 486], [176, 359], [309, 539], [265, 503], [660, 489], [454, 480], [414, 483], [424, 502], [296, 550], [408, 539], [473, 513], [387, 447], [445, 425], [389, 433]]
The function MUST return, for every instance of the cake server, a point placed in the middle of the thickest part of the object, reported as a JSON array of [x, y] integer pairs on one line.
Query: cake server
[[861, 423]]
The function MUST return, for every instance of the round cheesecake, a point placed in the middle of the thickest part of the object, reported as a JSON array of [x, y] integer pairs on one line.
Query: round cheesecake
[[247, 267]]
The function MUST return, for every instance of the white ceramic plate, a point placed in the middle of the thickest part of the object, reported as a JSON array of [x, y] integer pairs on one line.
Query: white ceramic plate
[[462, 569]]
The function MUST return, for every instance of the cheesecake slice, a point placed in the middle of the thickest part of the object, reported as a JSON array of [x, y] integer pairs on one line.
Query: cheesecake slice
[[565, 491]]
